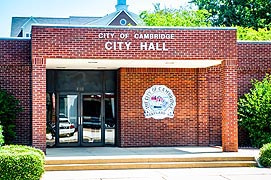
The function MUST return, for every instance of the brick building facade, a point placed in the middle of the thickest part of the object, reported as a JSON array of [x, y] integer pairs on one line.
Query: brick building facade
[[206, 69]]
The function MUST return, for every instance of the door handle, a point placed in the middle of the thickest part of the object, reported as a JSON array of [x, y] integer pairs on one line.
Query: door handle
[[79, 120]]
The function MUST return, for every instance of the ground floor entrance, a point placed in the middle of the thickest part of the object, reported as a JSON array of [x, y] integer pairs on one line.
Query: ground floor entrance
[[81, 108]]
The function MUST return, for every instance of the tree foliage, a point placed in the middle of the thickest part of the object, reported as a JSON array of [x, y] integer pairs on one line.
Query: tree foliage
[[175, 17], [1, 136], [262, 34], [254, 110], [245, 13], [9, 109], [197, 18]]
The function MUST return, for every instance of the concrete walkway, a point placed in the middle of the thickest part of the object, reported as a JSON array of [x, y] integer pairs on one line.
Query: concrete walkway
[[109, 152]]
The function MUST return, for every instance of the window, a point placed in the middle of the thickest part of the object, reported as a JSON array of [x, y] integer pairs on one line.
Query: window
[[28, 34], [123, 22]]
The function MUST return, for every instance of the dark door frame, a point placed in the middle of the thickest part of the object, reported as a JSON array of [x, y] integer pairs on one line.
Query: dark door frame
[[79, 92]]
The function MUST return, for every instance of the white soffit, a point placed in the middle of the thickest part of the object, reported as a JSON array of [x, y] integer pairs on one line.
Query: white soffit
[[52, 63]]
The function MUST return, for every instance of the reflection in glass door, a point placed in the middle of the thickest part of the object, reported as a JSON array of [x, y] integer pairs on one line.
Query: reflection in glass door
[[92, 118], [67, 125], [110, 118], [99, 119]]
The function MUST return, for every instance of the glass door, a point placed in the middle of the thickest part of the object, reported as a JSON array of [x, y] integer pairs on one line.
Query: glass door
[[85, 119], [98, 119], [67, 120], [92, 119]]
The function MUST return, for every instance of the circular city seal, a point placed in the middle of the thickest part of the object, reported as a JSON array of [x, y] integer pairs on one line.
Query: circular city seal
[[158, 102]]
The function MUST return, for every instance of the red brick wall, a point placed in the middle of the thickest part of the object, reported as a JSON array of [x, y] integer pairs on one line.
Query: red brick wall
[[39, 103], [215, 101], [254, 61], [229, 105], [190, 126], [202, 107], [188, 44], [136, 130], [198, 91], [15, 75]]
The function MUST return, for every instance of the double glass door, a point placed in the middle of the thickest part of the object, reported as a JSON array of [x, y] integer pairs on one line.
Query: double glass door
[[85, 119]]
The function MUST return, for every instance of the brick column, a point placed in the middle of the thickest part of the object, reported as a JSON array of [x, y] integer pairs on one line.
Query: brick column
[[39, 103], [203, 108], [229, 106]]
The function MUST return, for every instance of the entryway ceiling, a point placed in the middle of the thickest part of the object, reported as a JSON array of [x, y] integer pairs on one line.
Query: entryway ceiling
[[111, 64]]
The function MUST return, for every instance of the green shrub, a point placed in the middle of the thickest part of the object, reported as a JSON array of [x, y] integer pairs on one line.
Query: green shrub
[[9, 110], [254, 111], [1, 136], [21, 163], [265, 155]]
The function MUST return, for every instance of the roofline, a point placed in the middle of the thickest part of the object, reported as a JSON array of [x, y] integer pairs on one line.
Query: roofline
[[114, 17], [126, 12], [52, 17], [253, 42], [30, 18], [84, 17], [131, 16], [96, 19], [133, 27], [15, 38]]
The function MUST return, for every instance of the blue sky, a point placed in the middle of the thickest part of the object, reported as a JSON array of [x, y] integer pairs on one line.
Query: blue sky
[[66, 8]]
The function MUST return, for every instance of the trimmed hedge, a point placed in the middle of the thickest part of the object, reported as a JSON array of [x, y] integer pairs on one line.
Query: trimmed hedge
[[21, 163], [265, 155]]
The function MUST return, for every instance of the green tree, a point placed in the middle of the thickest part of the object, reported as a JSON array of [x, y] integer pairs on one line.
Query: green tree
[[196, 18], [175, 17], [245, 13], [254, 110], [1, 136], [9, 109]]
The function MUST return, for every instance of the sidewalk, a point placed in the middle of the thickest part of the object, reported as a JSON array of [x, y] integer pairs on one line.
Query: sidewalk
[[164, 174]]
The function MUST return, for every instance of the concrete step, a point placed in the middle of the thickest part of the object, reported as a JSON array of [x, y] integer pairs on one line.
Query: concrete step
[[147, 163]]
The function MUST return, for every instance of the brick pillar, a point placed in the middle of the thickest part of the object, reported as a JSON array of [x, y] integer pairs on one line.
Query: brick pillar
[[229, 106], [203, 108], [39, 103]]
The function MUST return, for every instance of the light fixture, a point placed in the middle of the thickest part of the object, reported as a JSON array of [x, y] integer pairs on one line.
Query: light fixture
[[169, 62], [92, 62]]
